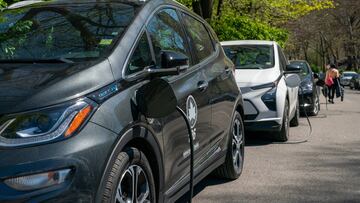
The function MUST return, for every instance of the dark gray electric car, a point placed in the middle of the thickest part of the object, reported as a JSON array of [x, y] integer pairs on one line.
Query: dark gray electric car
[[308, 95], [71, 126]]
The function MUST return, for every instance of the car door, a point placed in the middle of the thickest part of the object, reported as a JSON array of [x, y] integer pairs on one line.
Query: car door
[[221, 89], [292, 92], [167, 33]]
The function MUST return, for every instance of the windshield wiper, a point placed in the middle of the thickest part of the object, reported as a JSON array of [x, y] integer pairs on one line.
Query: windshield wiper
[[52, 60], [238, 67]]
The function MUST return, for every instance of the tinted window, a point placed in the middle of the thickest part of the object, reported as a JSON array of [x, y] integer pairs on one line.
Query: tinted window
[[283, 62], [141, 56], [304, 69], [251, 56], [167, 33], [74, 31], [200, 37], [349, 74]]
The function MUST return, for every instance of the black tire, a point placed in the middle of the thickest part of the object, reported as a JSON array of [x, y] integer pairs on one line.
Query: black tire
[[283, 134], [295, 121], [351, 87], [228, 169], [127, 163], [316, 108]]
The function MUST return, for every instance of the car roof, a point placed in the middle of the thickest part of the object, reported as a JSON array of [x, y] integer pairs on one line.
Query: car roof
[[351, 72], [248, 42], [298, 61], [41, 2]]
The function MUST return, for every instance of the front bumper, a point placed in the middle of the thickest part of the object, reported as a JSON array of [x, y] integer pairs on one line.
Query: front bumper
[[345, 82], [258, 117], [306, 101], [261, 126], [85, 154]]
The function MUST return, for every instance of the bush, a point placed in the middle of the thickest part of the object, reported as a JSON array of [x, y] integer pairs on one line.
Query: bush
[[315, 68]]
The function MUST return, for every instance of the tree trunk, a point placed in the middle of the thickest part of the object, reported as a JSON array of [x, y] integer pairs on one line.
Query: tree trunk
[[203, 8], [219, 8]]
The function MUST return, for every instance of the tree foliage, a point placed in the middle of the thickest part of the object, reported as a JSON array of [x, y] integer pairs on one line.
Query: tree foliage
[[233, 27], [255, 19]]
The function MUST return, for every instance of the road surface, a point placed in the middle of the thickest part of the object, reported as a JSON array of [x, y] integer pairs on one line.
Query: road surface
[[325, 169]]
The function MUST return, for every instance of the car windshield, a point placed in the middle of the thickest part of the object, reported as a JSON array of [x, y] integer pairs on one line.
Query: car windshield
[[68, 31], [304, 69], [251, 56], [350, 75]]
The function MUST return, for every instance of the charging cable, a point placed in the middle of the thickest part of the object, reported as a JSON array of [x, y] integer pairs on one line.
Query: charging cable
[[191, 151]]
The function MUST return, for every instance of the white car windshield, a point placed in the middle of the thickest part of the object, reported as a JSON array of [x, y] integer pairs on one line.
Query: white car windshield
[[251, 56]]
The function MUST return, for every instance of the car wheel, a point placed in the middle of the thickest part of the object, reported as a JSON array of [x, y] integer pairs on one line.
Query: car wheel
[[234, 162], [283, 134], [130, 179], [351, 87], [316, 107], [295, 121]]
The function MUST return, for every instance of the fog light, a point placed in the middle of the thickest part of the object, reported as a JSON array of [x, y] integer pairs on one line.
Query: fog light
[[38, 181]]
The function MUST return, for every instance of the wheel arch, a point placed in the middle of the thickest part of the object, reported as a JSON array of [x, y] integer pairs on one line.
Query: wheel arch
[[142, 137]]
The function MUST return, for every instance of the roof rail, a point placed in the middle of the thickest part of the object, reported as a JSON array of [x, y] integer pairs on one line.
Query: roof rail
[[23, 3]]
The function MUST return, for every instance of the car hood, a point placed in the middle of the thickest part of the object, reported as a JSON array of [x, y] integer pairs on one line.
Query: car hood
[[306, 80], [29, 86], [253, 77]]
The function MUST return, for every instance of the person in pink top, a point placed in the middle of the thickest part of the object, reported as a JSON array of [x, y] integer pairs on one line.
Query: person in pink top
[[331, 81]]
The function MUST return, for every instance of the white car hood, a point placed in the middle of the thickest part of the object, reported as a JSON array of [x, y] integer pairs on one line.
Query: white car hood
[[253, 77]]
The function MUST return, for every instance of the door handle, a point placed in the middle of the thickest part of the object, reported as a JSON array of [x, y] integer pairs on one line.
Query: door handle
[[203, 85]]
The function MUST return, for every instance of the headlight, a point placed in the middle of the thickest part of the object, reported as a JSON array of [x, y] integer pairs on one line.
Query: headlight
[[44, 125], [269, 99]]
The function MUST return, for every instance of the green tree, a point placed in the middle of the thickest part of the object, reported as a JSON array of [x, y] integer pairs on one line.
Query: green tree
[[254, 19]]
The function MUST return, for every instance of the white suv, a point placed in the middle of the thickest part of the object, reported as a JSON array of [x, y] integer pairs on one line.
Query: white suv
[[269, 91]]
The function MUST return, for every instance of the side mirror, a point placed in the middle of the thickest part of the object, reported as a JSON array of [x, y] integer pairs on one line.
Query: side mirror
[[292, 68], [171, 59], [156, 99], [293, 80], [316, 76], [172, 63]]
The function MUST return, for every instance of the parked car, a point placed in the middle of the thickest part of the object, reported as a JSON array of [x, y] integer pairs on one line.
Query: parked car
[[355, 82], [346, 77], [71, 125], [270, 104], [308, 94]]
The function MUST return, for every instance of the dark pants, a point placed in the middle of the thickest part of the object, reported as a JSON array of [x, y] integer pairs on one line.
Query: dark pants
[[331, 91], [334, 88]]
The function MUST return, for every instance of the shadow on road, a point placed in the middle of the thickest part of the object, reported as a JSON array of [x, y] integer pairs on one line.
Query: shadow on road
[[258, 139], [208, 181]]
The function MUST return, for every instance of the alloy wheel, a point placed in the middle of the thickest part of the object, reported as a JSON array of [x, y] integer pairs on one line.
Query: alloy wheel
[[316, 105], [133, 186], [287, 121], [237, 145]]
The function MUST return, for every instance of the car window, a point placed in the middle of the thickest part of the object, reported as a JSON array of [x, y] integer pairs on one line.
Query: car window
[[200, 37], [141, 57], [251, 56], [167, 33], [283, 62], [304, 68], [63, 31]]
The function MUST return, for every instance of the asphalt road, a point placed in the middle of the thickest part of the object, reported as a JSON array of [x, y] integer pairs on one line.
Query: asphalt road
[[325, 169]]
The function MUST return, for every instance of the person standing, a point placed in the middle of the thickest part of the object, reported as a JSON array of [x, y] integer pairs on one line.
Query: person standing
[[332, 81]]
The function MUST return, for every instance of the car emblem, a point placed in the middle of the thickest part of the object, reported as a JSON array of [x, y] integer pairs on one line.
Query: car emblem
[[191, 110]]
